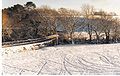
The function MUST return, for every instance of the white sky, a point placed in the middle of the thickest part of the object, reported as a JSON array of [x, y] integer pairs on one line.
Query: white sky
[[107, 5]]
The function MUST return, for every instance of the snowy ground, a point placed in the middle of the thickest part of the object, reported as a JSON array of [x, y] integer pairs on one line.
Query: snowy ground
[[62, 60]]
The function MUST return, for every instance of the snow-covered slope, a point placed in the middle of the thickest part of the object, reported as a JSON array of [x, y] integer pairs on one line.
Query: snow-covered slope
[[67, 59]]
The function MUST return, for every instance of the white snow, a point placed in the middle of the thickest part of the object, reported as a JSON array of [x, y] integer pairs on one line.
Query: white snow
[[103, 59]]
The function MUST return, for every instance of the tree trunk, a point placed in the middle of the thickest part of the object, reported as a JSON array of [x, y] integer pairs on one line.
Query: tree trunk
[[107, 37], [72, 40], [97, 36], [90, 33], [57, 40], [90, 37]]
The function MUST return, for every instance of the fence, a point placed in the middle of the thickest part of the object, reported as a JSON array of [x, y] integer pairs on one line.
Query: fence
[[29, 41]]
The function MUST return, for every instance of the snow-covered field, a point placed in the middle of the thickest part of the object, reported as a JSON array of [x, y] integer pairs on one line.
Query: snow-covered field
[[61, 60]]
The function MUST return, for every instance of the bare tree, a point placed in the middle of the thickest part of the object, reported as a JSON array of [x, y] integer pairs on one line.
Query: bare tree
[[107, 25], [88, 13], [70, 20], [115, 30], [49, 17]]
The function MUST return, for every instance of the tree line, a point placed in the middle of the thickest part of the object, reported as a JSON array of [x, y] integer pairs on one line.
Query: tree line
[[28, 22]]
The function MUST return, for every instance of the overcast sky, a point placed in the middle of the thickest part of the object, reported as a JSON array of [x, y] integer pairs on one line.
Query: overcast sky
[[107, 5]]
